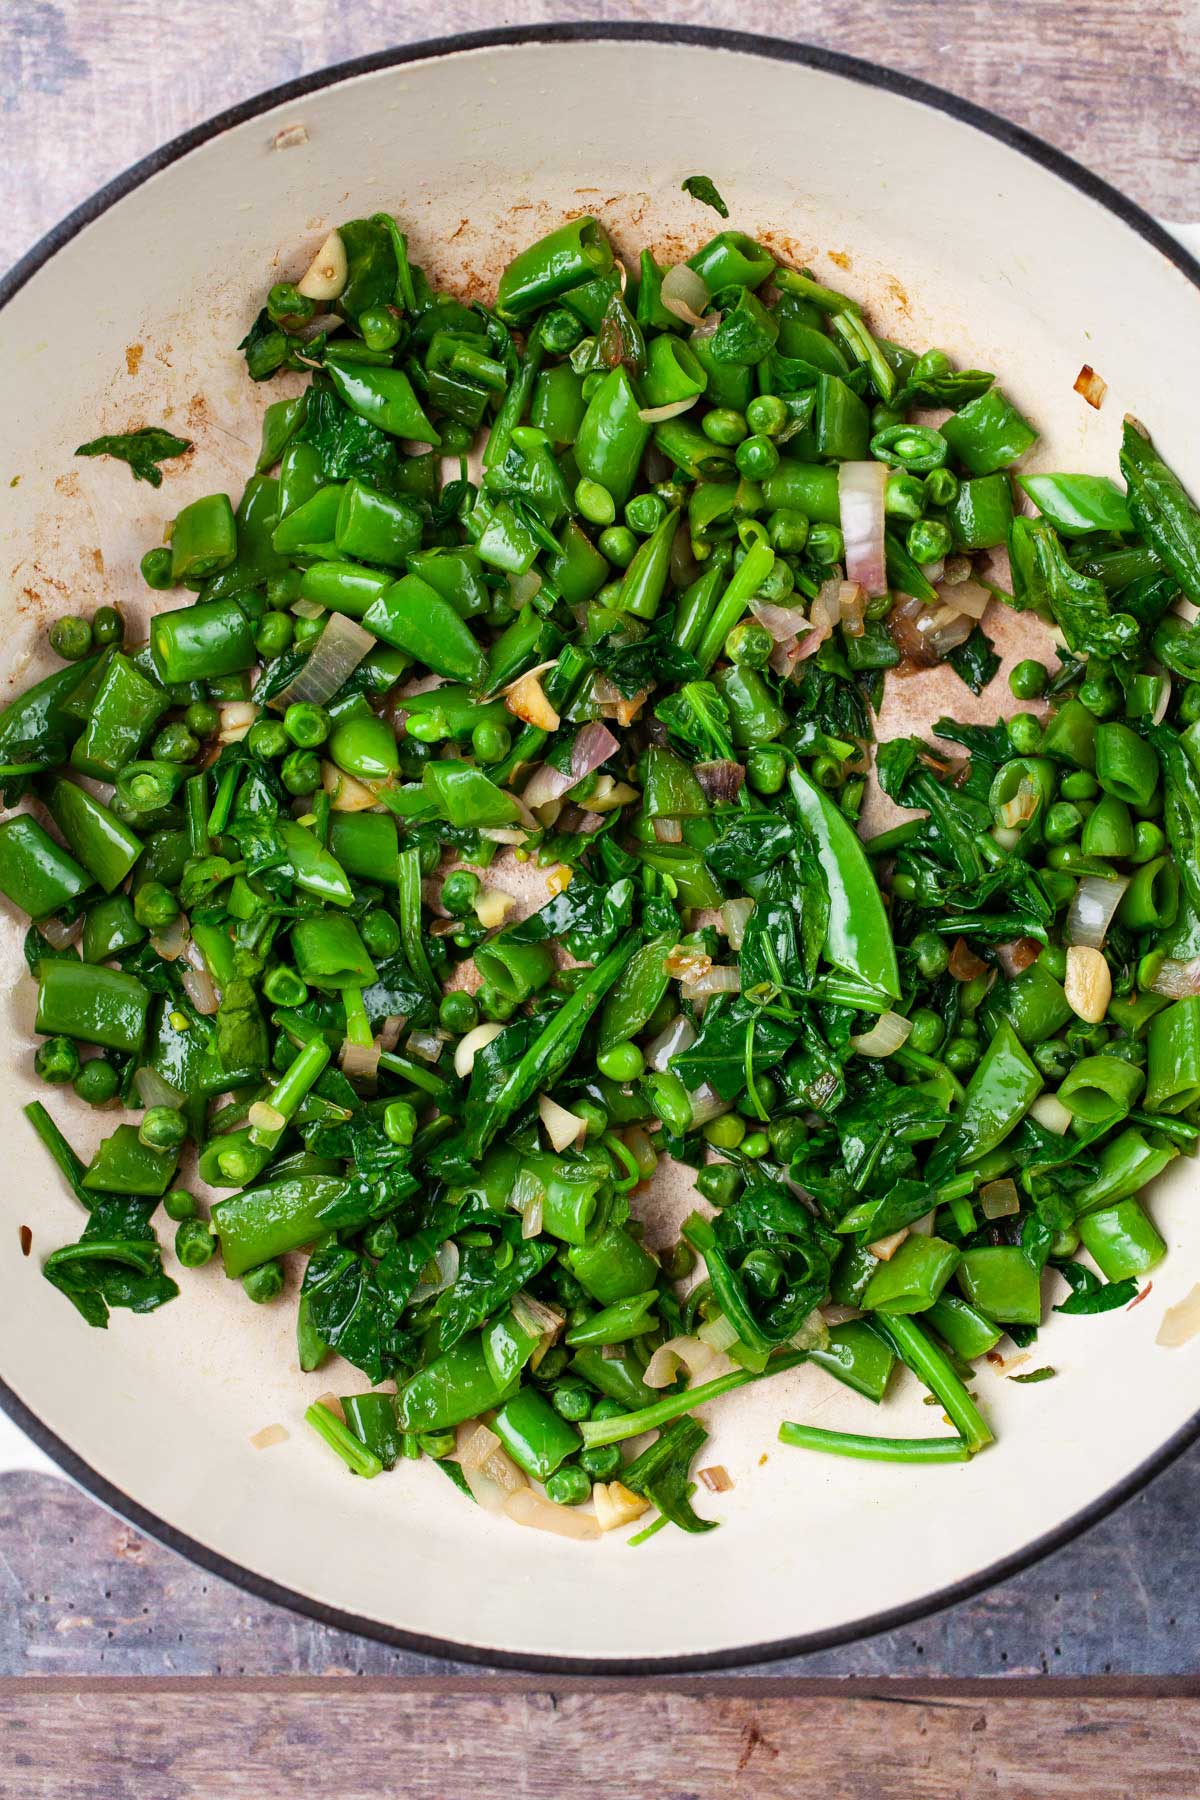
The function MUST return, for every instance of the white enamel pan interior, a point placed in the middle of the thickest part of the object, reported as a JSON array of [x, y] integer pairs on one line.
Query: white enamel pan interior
[[956, 231]]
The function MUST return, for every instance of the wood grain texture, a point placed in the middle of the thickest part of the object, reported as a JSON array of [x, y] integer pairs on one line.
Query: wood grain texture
[[89, 86], [433, 1742]]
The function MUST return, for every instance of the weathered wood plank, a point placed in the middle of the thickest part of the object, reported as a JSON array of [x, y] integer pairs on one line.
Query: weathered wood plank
[[91, 86], [236, 1742]]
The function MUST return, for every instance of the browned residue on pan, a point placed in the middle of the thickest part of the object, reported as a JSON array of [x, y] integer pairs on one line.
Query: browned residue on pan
[[133, 357]]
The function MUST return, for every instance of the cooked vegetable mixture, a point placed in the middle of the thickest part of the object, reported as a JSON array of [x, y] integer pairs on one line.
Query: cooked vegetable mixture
[[636, 646]]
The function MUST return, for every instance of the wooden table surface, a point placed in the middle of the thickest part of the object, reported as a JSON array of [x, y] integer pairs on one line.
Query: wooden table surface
[[87, 87]]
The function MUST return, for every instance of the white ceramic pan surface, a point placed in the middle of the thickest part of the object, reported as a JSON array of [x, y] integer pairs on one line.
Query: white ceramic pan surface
[[956, 231]]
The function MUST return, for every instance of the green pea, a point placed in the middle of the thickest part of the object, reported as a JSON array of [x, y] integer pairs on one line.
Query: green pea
[[457, 438], [1053, 1058], [380, 932], [274, 634], [572, 1400], [285, 301], [283, 589], [1027, 681], [427, 727], [928, 540], [722, 425], [593, 1116], [108, 627], [724, 1133], [788, 530], [941, 487], [755, 1144], [679, 1261], [601, 1463], [928, 1030], [766, 769], [155, 906], [750, 644], [458, 1011], [618, 545], [97, 1082], [1025, 733], [1189, 703], [756, 457], [777, 584], [202, 719], [720, 1183], [561, 330], [645, 513], [494, 1006], [827, 772], [960, 1055], [380, 327], [70, 637], [568, 1486], [1054, 960], [1063, 822], [491, 740], [305, 632], [175, 743], [460, 890], [179, 1205], [307, 725], [162, 1128], [1149, 841], [399, 1122], [767, 414], [788, 1137], [263, 1284], [621, 1062], [195, 1245], [56, 1060], [767, 1091], [1078, 785], [594, 502], [155, 568], [825, 544], [300, 772], [268, 739]]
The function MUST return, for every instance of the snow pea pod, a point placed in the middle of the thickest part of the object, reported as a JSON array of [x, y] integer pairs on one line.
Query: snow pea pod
[[645, 580], [365, 844], [1173, 1057], [1070, 736], [1121, 1240], [731, 259], [341, 587], [37, 874], [612, 438], [558, 403], [1002, 1283], [858, 937], [124, 1165], [618, 1323], [981, 513], [329, 953], [999, 1094], [412, 616], [574, 254], [34, 715], [742, 586], [262, 1223], [534, 1435], [517, 969], [308, 529], [95, 1004], [1077, 504], [1161, 508], [467, 797], [858, 1357], [203, 538], [125, 709], [578, 571], [913, 1278], [365, 747], [203, 642], [375, 527], [1100, 1089], [988, 433], [106, 847], [456, 575], [312, 866], [110, 927], [1033, 1002], [963, 1327], [456, 1385], [673, 372], [614, 1267], [1151, 901], [754, 715], [257, 559], [617, 1377], [1125, 1165], [384, 397], [1126, 765], [636, 995]]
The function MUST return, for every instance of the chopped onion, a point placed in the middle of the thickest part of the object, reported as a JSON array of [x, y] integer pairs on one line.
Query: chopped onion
[[526, 1507], [886, 1247], [471, 1043], [610, 794], [852, 605], [1091, 386], [716, 1479], [479, 1445], [360, 1062], [721, 781], [813, 1333], [706, 1104], [966, 597], [1163, 700], [926, 634], [685, 964], [783, 622], [1088, 983], [58, 935], [616, 1505], [1050, 1113], [338, 652], [307, 609], [535, 1315], [1017, 956], [677, 1037], [153, 1090], [1177, 980], [493, 907], [1093, 904], [528, 702], [447, 1260], [1007, 836], [668, 831], [427, 1045], [328, 272], [345, 793], [503, 834], [964, 965], [546, 785], [736, 914], [1024, 803], [720, 979], [264, 1117], [999, 1199], [268, 1437], [861, 490], [1181, 1322], [826, 609], [690, 1352], [657, 415], [684, 293], [720, 1334], [522, 588], [593, 745], [198, 986], [171, 942], [956, 571], [562, 1127], [389, 1031], [888, 1034]]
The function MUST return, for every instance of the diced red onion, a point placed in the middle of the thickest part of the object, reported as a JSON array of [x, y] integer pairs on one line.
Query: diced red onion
[[683, 963], [673, 1040], [58, 935], [1017, 956], [171, 942], [546, 785], [716, 1479], [735, 914], [339, 650], [525, 1506], [886, 1247], [684, 293], [522, 588], [668, 831], [657, 415], [861, 490], [956, 571], [359, 1062], [1093, 904], [1177, 980], [852, 606], [1090, 386], [721, 979], [593, 745], [720, 1334], [153, 1090], [964, 965], [782, 622], [502, 834], [535, 1315], [198, 986], [706, 1104], [826, 608], [306, 609], [389, 1031], [1180, 1322], [888, 1034], [721, 780], [965, 597], [1159, 710], [426, 1044], [479, 1444], [527, 700]]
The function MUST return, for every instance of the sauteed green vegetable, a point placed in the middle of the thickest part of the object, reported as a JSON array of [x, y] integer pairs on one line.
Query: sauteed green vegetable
[[594, 593]]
